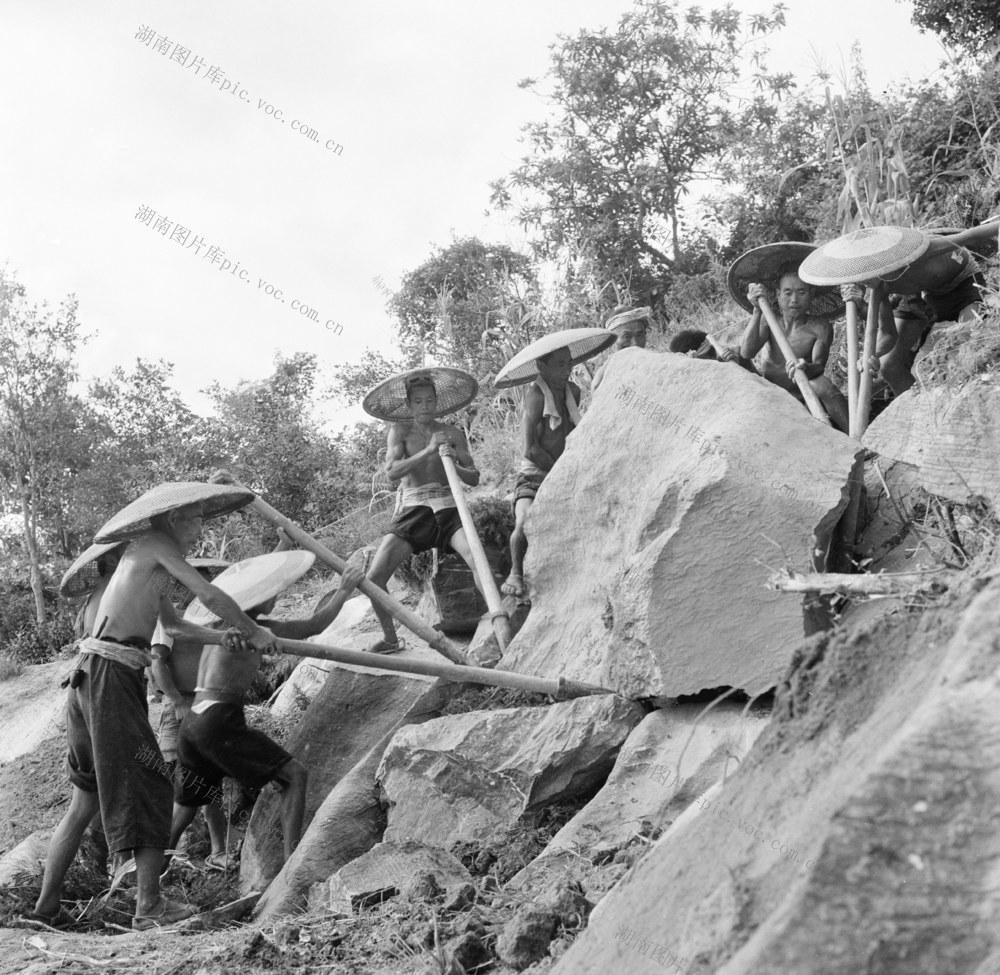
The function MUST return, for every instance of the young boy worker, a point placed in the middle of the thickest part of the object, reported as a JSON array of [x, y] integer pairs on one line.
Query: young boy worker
[[214, 739], [550, 412], [412, 403], [107, 722], [803, 311]]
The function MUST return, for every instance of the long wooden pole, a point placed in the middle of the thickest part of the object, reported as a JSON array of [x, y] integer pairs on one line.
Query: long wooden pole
[[560, 688], [406, 616], [498, 615], [871, 331], [852, 366], [805, 387]]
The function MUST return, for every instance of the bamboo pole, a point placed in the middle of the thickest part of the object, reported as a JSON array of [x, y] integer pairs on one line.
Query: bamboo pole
[[560, 688], [498, 615], [805, 387], [406, 616], [871, 331], [852, 367], [881, 584]]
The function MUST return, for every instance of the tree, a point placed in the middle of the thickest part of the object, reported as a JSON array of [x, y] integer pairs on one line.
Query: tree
[[444, 305], [969, 24], [640, 114], [37, 368]]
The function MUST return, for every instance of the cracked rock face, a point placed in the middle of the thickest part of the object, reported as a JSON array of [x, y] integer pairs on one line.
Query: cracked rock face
[[650, 541], [463, 776]]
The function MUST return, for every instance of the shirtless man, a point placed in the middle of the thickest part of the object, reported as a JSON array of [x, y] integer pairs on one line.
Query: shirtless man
[[214, 739], [545, 424], [696, 344], [631, 325], [810, 339], [107, 722], [942, 285], [429, 518]]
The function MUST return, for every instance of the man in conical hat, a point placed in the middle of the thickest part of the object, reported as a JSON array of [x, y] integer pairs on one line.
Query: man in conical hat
[[550, 412], [428, 517], [214, 739], [107, 723]]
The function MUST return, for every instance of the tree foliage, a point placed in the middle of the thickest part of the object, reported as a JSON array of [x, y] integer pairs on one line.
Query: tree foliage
[[973, 25], [639, 115], [444, 305]]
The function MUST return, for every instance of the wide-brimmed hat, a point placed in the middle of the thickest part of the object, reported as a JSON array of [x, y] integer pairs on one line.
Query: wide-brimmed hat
[[83, 575], [864, 256], [765, 266], [255, 581], [454, 388], [133, 520], [179, 593], [583, 344]]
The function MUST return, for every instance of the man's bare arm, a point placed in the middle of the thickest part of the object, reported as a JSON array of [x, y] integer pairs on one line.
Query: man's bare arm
[[219, 602], [819, 355], [755, 336], [976, 235], [464, 464], [531, 418]]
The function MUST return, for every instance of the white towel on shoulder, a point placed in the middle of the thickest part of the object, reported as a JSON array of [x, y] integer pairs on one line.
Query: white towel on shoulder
[[550, 411]]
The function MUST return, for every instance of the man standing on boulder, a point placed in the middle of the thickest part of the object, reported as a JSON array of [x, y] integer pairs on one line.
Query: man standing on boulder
[[107, 722], [549, 413], [412, 402]]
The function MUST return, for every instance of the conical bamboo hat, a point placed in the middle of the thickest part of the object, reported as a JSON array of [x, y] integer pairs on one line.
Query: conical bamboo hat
[[765, 266], [255, 581], [864, 256], [82, 576], [133, 520], [583, 344], [454, 388]]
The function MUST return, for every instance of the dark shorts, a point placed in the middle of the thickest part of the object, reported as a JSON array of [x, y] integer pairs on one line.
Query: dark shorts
[[526, 486], [217, 743], [113, 752], [425, 529]]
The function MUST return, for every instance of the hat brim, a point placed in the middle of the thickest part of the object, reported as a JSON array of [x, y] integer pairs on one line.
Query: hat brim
[[864, 256], [454, 387], [255, 581], [82, 576], [134, 520], [765, 266], [583, 344]]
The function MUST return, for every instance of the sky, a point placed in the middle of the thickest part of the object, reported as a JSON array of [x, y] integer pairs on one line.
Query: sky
[[193, 218]]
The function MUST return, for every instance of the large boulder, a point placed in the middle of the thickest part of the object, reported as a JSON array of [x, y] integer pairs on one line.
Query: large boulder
[[951, 437], [388, 869], [859, 834], [672, 756], [466, 775], [353, 711], [651, 541], [350, 821]]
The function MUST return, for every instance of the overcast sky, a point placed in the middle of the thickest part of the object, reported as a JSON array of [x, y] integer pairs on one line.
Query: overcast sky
[[422, 97]]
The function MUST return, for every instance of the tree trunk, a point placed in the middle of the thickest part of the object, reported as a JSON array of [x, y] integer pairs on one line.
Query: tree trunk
[[31, 544]]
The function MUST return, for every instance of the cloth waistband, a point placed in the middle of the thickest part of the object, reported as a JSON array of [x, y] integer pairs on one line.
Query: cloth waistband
[[527, 467], [433, 495], [134, 657], [208, 695]]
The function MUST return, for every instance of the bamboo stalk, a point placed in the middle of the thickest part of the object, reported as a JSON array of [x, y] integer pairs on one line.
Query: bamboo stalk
[[852, 366], [560, 688], [498, 615], [871, 331], [805, 387], [882, 584], [406, 616]]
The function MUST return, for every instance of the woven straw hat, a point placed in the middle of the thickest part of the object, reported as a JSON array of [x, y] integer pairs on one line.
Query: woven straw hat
[[255, 581], [583, 344], [387, 400], [83, 575], [864, 256], [133, 520], [765, 265]]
